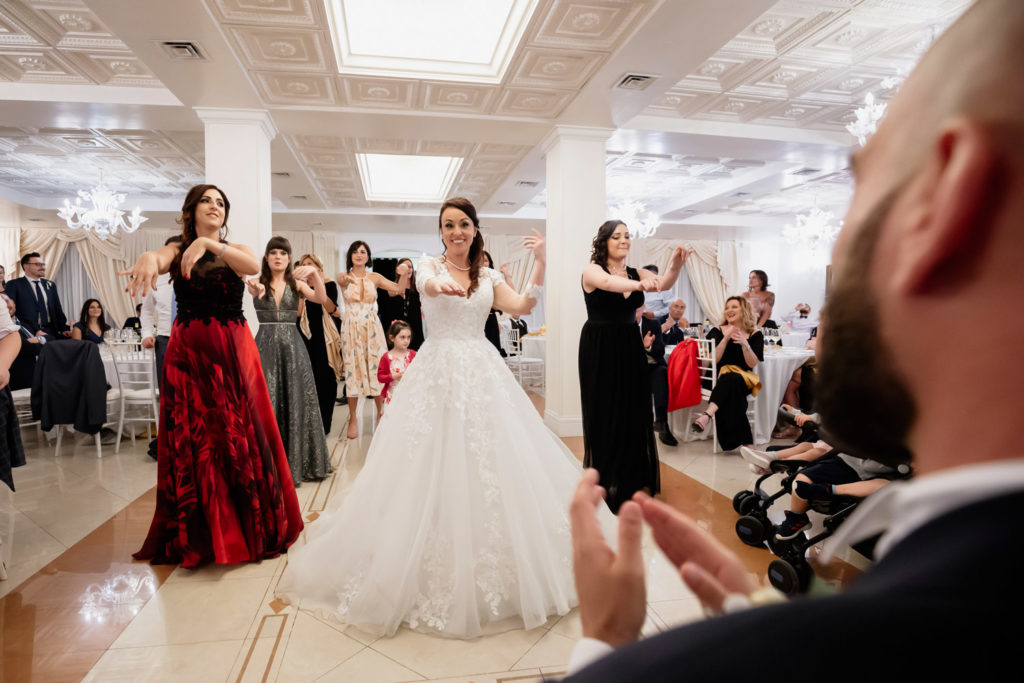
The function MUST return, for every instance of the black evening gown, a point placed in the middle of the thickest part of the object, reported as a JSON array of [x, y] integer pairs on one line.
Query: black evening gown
[[323, 374], [730, 392], [405, 308], [618, 432]]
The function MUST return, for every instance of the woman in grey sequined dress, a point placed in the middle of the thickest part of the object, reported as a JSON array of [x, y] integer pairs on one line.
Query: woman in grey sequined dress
[[286, 365]]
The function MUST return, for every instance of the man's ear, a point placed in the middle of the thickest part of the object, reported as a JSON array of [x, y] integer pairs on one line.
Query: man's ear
[[945, 219]]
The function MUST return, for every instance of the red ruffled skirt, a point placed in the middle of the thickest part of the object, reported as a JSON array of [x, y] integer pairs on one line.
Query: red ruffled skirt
[[224, 489]]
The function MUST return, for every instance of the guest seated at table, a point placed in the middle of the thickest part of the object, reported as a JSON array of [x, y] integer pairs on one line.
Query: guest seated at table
[[657, 368], [738, 350], [800, 318], [674, 327], [134, 322], [91, 323]]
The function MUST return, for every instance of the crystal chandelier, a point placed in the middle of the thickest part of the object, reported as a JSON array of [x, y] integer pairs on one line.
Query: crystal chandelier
[[815, 230], [868, 117], [105, 216], [639, 225]]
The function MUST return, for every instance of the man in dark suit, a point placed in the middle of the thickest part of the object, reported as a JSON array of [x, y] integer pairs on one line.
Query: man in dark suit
[[654, 346], [673, 328], [24, 364], [36, 300], [933, 234]]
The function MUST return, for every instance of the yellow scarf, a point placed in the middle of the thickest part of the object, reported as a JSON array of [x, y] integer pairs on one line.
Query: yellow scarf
[[753, 381]]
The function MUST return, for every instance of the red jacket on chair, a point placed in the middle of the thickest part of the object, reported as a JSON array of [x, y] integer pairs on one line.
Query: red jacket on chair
[[683, 376]]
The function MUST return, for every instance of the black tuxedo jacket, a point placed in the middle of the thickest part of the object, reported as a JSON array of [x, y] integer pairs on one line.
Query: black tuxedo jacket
[[942, 603], [657, 352], [20, 291]]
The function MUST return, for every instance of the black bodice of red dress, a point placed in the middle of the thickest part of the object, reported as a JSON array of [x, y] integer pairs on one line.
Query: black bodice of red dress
[[213, 292]]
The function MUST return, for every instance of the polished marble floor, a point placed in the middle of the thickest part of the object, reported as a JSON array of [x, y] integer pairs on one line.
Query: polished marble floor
[[76, 607]]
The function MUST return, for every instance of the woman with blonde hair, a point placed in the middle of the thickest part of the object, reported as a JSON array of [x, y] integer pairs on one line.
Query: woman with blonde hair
[[738, 350]]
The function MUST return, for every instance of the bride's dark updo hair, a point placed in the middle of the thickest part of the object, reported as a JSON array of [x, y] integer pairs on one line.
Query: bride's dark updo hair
[[476, 249]]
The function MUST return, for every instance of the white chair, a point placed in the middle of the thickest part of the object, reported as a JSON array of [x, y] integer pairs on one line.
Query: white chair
[[709, 372], [23, 409], [136, 387], [528, 370]]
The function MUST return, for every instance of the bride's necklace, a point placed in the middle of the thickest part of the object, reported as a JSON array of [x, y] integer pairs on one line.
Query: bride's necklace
[[456, 267]]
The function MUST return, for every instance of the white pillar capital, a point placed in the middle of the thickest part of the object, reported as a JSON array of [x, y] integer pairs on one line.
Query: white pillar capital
[[582, 133], [252, 117]]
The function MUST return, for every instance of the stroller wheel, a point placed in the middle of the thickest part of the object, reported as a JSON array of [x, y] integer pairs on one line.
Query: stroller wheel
[[737, 500], [790, 579], [751, 530]]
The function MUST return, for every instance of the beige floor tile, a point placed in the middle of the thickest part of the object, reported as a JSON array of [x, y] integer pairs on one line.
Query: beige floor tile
[[313, 649], [195, 612], [220, 572], [516, 676], [551, 650], [367, 666], [172, 663], [569, 626], [435, 657]]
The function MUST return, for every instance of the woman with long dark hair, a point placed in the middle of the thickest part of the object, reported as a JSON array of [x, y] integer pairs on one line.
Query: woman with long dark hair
[[760, 299], [224, 488], [362, 336], [458, 519], [92, 324], [276, 295], [319, 325], [405, 305], [618, 429]]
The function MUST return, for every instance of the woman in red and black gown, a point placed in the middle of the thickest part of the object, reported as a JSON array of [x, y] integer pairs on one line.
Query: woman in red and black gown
[[224, 488]]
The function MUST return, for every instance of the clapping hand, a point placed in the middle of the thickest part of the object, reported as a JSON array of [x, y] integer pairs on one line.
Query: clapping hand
[[648, 340], [535, 243], [709, 569], [610, 586], [739, 336]]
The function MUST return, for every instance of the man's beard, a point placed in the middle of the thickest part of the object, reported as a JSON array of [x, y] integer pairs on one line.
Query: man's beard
[[865, 405]]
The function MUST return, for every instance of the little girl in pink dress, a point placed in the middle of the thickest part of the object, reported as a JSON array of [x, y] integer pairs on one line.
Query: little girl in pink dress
[[395, 362]]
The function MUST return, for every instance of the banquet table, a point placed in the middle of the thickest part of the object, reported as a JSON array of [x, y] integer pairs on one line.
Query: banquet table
[[140, 356], [775, 370], [534, 346], [796, 340]]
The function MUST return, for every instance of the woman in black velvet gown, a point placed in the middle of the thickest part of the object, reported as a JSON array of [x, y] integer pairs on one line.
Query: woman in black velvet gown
[[322, 344], [618, 427]]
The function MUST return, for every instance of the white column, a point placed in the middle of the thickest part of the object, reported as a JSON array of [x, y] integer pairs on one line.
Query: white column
[[238, 160], [575, 158]]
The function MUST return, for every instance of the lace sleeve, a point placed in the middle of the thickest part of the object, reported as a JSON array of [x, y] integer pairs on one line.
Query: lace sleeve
[[494, 276], [426, 270]]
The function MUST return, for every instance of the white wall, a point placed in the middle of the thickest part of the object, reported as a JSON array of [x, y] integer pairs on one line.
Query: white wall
[[793, 275]]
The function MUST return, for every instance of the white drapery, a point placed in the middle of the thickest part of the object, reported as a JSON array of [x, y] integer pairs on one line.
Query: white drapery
[[509, 249], [710, 269], [74, 287], [101, 258], [10, 256]]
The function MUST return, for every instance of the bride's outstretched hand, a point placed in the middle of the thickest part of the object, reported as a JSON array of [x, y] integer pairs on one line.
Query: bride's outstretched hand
[[450, 289], [535, 243]]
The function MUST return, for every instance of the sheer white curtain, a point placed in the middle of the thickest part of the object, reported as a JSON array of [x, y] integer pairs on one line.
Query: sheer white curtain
[[710, 270], [101, 259], [509, 249], [74, 287], [10, 256]]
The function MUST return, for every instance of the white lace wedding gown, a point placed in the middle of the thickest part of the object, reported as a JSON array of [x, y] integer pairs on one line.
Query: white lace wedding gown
[[460, 516]]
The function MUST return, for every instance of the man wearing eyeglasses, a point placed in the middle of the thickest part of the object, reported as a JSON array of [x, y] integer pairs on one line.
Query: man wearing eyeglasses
[[36, 300]]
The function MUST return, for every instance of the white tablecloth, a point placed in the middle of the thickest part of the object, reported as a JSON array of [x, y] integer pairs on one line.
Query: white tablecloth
[[535, 346], [144, 356], [774, 371], [796, 340]]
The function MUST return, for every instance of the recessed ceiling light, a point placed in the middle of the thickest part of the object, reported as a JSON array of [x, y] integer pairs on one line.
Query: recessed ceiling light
[[527, 183], [298, 196], [476, 44], [281, 174], [506, 203], [406, 178]]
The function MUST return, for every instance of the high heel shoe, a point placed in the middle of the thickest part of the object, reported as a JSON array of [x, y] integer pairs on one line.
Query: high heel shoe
[[701, 423]]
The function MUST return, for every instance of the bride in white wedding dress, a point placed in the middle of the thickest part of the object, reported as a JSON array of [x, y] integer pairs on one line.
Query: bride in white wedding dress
[[460, 516]]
